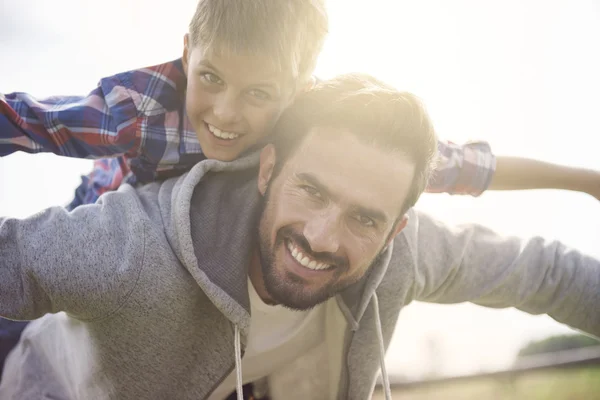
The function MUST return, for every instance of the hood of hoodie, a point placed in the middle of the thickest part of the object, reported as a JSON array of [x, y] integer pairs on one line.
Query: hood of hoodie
[[211, 217]]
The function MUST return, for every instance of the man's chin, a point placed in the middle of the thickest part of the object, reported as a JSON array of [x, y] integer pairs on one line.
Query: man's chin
[[291, 293]]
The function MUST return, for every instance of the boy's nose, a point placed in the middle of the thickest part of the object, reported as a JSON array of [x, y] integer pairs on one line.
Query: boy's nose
[[226, 109]]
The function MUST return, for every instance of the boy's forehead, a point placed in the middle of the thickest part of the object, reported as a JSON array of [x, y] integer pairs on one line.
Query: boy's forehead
[[241, 64]]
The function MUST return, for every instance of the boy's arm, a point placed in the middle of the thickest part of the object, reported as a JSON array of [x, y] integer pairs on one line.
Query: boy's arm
[[81, 262], [472, 168], [472, 263], [514, 173], [100, 124]]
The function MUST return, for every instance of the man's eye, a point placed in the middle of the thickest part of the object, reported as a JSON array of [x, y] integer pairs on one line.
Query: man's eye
[[212, 78], [313, 192], [259, 94], [365, 221]]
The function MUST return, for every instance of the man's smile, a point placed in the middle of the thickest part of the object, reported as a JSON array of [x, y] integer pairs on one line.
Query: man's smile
[[304, 259]]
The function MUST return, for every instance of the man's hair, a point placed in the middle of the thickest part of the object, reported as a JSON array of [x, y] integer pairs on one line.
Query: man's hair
[[371, 110], [289, 32]]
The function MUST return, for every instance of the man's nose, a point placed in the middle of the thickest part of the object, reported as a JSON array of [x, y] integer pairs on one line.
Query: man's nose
[[323, 233], [226, 109]]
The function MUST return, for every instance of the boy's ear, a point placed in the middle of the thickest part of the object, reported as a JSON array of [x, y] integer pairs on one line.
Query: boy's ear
[[186, 53], [303, 87], [265, 171], [312, 81]]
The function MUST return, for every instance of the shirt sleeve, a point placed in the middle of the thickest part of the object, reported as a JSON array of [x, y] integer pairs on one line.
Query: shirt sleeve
[[463, 169], [101, 124], [473, 263]]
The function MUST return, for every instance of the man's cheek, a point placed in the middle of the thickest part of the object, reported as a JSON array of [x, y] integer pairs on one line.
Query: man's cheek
[[290, 212]]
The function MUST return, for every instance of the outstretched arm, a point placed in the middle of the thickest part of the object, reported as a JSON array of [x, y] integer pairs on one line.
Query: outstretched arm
[[472, 263], [472, 168], [80, 262], [514, 173], [101, 124]]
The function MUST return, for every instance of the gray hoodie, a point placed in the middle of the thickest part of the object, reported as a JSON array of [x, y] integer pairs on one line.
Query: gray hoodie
[[144, 295]]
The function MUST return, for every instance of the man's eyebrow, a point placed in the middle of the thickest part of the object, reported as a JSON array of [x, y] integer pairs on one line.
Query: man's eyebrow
[[313, 180]]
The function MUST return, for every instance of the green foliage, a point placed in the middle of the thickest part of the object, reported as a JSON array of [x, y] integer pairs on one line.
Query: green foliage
[[557, 343], [570, 384]]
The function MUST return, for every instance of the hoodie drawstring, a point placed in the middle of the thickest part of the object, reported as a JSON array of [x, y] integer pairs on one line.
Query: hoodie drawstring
[[238, 364], [384, 375]]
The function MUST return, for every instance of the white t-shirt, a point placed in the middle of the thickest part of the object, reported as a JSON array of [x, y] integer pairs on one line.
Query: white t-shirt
[[277, 336]]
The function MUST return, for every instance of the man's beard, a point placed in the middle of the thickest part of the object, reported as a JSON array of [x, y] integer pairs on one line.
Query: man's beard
[[290, 290]]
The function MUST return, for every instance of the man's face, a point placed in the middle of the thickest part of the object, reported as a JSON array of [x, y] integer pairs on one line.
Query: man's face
[[232, 100], [328, 214]]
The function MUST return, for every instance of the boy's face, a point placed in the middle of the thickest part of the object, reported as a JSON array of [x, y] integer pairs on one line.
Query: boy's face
[[232, 100]]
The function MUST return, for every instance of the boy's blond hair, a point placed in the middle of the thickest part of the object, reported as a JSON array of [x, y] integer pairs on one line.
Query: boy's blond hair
[[288, 32]]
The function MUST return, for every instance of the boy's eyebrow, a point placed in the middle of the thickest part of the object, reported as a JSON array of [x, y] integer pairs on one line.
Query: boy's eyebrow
[[274, 84], [314, 181], [206, 63]]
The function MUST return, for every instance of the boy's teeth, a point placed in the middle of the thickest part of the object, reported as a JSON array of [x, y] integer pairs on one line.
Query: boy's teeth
[[305, 261], [222, 134]]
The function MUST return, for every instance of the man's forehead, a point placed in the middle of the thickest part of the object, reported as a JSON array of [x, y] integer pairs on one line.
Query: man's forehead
[[354, 169]]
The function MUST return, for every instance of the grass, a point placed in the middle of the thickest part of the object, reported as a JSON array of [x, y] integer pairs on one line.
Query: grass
[[575, 384]]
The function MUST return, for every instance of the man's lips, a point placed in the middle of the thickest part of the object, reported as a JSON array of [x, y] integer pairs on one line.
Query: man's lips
[[305, 259]]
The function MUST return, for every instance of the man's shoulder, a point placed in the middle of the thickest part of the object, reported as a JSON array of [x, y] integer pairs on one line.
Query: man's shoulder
[[140, 202], [423, 235], [154, 90]]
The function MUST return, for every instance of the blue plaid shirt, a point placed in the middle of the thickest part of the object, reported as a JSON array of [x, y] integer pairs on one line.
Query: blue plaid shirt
[[138, 120]]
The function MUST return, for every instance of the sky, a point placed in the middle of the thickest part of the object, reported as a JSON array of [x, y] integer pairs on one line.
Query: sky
[[519, 74]]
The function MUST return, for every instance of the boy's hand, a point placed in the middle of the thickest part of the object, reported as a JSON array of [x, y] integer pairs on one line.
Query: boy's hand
[[596, 187], [515, 173]]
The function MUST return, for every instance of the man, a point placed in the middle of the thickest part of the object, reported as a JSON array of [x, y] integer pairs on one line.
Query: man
[[254, 274]]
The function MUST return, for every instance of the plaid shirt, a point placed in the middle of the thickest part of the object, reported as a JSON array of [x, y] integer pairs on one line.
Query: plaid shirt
[[138, 118]]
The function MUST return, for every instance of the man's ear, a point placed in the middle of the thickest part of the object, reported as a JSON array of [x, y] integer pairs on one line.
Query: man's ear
[[267, 163], [397, 229], [186, 53]]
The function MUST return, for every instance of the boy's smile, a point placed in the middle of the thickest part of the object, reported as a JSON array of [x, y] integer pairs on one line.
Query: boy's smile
[[233, 100], [221, 134]]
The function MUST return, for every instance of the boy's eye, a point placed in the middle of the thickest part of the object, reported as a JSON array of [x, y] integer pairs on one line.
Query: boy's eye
[[260, 94], [212, 78]]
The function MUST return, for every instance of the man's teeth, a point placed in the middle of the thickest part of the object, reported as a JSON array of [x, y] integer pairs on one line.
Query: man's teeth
[[305, 260], [222, 134]]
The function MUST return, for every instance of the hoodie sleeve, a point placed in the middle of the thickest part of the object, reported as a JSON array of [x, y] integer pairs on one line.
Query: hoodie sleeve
[[83, 262], [472, 263]]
